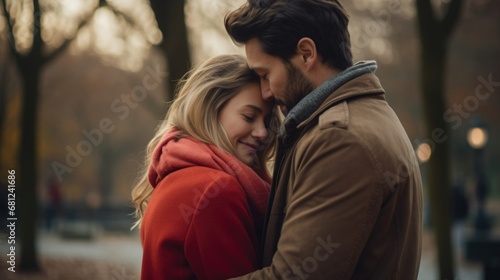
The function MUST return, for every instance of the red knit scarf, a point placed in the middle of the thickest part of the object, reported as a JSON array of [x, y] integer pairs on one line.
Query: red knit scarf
[[174, 153]]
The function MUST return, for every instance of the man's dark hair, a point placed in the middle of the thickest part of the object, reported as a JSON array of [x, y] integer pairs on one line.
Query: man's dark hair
[[280, 24]]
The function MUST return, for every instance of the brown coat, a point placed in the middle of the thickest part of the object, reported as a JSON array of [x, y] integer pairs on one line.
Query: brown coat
[[347, 196]]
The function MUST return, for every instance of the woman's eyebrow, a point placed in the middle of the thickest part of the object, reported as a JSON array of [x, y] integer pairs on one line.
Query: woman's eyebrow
[[256, 108]]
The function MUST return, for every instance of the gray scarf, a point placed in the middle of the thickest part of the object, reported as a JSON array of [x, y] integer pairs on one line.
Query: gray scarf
[[311, 102]]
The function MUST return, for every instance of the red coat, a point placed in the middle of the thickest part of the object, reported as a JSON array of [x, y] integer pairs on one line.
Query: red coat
[[205, 215]]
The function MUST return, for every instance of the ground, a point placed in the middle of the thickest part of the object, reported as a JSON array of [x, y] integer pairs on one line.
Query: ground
[[118, 257]]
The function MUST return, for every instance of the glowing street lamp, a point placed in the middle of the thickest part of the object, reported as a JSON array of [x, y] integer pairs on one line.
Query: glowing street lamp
[[481, 246], [424, 152], [477, 137]]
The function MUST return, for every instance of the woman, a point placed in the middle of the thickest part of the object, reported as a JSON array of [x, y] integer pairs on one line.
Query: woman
[[202, 200]]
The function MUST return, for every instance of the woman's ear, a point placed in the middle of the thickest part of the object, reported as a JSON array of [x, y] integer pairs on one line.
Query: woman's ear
[[306, 49]]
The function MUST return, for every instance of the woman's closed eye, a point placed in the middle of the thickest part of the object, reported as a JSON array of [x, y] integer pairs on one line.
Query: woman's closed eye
[[249, 118]]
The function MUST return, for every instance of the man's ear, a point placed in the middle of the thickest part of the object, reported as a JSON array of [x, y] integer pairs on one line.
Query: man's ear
[[306, 49]]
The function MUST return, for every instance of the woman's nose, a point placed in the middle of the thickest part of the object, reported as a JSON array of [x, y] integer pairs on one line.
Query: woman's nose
[[260, 132]]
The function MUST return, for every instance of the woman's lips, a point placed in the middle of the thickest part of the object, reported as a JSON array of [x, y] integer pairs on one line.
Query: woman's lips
[[250, 146]]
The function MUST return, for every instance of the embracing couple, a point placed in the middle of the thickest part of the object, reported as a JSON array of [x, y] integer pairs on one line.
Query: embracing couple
[[344, 198]]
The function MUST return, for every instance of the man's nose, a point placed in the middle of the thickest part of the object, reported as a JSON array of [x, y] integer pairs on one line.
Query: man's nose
[[266, 92]]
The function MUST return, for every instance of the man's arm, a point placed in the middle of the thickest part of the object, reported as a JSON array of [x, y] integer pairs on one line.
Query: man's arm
[[332, 208]]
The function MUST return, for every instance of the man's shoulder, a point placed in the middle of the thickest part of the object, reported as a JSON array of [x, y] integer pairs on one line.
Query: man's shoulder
[[351, 122], [335, 116]]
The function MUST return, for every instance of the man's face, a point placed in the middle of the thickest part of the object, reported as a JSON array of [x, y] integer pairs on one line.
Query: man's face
[[279, 80]]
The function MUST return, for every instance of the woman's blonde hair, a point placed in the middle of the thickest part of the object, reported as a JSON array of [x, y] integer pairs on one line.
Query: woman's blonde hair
[[201, 95]]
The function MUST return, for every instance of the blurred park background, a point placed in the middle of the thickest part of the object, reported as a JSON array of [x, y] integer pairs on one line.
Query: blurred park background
[[84, 83]]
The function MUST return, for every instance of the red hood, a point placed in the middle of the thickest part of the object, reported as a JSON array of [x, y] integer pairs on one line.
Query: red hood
[[174, 153]]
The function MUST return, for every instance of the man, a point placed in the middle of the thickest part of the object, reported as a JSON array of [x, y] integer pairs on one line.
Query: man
[[346, 198]]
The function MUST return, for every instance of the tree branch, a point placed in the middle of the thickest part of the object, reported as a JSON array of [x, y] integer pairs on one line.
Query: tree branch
[[117, 12], [36, 48], [426, 20], [54, 54], [452, 16], [12, 39], [126, 17]]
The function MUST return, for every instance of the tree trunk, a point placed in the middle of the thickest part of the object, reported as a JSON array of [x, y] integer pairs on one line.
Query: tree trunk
[[434, 37], [171, 21], [433, 72], [28, 159], [3, 97]]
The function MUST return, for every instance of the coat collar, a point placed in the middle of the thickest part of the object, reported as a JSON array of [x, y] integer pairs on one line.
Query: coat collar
[[354, 81], [367, 84]]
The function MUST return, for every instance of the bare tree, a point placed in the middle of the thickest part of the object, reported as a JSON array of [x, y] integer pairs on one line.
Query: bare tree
[[435, 33], [30, 64]]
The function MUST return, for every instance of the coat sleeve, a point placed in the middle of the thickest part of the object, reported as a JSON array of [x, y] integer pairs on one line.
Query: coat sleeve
[[221, 241], [330, 211]]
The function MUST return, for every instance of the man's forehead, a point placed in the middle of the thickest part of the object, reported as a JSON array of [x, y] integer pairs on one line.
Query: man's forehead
[[256, 58]]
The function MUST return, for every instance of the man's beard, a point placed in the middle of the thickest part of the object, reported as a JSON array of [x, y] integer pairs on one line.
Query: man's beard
[[297, 88]]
